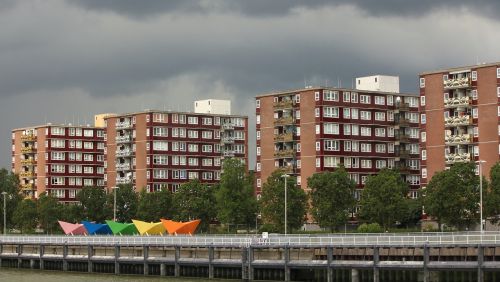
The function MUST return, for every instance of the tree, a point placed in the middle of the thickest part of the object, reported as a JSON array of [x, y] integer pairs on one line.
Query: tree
[[236, 202], [194, 200], [272, 202], [25, 216], [71, 213], [332, 195], [48, 209], [93, 204], [9, 183], [383, 198], [452, 196], [126, 203], [492, 198], [156, 205]]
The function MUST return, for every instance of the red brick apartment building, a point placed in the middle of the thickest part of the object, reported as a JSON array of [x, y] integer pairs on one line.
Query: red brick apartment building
[[316, 129], [59, 159], [460, 117], [155, 149]]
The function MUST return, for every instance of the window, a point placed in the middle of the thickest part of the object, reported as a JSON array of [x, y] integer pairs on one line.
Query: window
[[160, 159], [422, 82], [258, 151], [207, 175], [355, 146], [57, 143], [257, 134], [88, 145], [297, 98], [474, 75], [57, 180], [390, 100], [207, 121], [498, 72], [474, 112], [364, 99], [366, 163], [317, 112], [192, 120], [331, 128], [318, 162], [257, 103], [206, 162], [347, 97], [424, 155], [424, 172], [354, 97], [331, 112], [88, 170], [329, 95], [57, 168], [57, 156], [347, 113], [206, 134], [257, 119], [380, 148], [366, 115], [297, 114], [316, 96], [192, 134], [160, 145], [379, 164], [422, 100], [366, 147], [355, 129], [474, 94], [422, 118], [160, 131], [206, 148], [379, 100], [354, 113], [318, 129], [88, 133], [193, 148], [423, 136], [331, 145], [57, 131], [380, 116], [366, 131], [347, 129], [380, 132], [347, 146], [193, 161], [329, 161]]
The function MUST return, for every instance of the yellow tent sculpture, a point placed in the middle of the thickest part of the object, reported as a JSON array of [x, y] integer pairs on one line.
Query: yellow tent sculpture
[[178, 228], [147, 228]]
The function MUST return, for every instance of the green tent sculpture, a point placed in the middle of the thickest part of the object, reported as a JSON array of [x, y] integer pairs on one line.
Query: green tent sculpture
[[119, 228]]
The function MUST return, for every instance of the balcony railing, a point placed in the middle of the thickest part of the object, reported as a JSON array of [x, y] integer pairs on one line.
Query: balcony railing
[[285, 137], [28, 138], [403, 122], [227, 126], [403, 107], [123, 125], [456, 158], [123, 166], [26, 174], [457, 102], [123, 180], [284, 121], [286, 104], [403, 138], [458, 121], [227, 140], [457, 83], [123, 139], [288, 153], [228, 153], [123, 153], [27, 150], [28, 186], [458, 139], [403, 154], [287, 169], [28, 162]]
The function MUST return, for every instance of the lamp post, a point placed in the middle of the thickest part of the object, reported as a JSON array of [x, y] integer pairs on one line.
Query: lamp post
[[480, 162], [114, 202], [286, 211], [4, 212]]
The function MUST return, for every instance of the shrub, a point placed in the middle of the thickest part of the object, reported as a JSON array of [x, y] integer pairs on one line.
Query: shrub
[[370, 228]]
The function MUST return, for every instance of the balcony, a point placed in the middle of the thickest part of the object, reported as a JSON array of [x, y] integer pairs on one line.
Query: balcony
[[124, 139], [454, 83], [26, 174], [403, 154], [227, 126], [286, 104], [458, 121], [288, 153], [227, 140], [287, 169], [123, 125], [458, 139], [28, 162], [28, 186], [122, 167], [28, 150], [28, 138], [457, 158], [285, 137], [457, 102], [123, 180], [403, 168], [402, 107], [284, 121], [228, 154], [403, 122], [123, 153], [403, 138]]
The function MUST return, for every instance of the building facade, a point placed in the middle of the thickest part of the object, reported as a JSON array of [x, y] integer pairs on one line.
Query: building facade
[[460, 117], [58, 159], [156, 149], [310, 130]]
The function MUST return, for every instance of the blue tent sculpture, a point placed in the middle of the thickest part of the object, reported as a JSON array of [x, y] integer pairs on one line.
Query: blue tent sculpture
[[96, 228]]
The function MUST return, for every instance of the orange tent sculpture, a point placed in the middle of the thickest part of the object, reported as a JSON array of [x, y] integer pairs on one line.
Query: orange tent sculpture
[[177, 228], [72, 228]]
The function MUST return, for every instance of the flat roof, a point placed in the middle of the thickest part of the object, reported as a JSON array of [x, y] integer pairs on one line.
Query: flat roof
[[314, 88], [172, 112], [464, 68], [56, 125]]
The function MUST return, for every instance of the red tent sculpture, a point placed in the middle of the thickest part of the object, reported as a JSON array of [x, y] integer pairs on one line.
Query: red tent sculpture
[[178, 228], [72, 228]]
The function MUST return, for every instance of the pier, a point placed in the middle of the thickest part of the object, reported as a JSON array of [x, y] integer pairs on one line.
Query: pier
[[349, 257]]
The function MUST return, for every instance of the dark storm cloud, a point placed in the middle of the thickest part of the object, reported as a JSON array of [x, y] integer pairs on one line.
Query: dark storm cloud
[[283, 7]]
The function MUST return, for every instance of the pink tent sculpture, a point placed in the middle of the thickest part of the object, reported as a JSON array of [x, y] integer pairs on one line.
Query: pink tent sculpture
[[72, 228]]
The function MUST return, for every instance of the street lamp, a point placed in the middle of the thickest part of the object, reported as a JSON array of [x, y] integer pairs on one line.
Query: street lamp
[[286, 211], [114, 202], [4, 212], [480, 162]]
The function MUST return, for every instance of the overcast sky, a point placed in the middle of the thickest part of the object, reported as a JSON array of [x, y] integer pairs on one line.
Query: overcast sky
[[64, 61]]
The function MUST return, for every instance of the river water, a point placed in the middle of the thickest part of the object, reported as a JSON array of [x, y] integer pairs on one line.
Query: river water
[[27, 275]]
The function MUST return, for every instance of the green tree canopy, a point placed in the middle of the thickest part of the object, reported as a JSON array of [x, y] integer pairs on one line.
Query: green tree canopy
[[383, 198], [194, 200], [272, 202], [236, 202], [25, 216], [48, 209], [156, 205], [492, 198], [126, 203], [9, 183], [452, 196], [93, 204], [332, 195]]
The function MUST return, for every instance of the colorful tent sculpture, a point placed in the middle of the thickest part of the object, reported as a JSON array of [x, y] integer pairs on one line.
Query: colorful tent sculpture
[[96, 228], [146, 228], [72, 228], [119, 228], [177, 228]]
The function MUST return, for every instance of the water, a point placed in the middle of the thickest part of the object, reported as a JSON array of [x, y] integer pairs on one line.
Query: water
[[26, 275]]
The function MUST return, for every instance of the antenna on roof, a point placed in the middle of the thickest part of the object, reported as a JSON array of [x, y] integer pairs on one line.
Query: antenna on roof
[[326, 82], [305, 82]]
